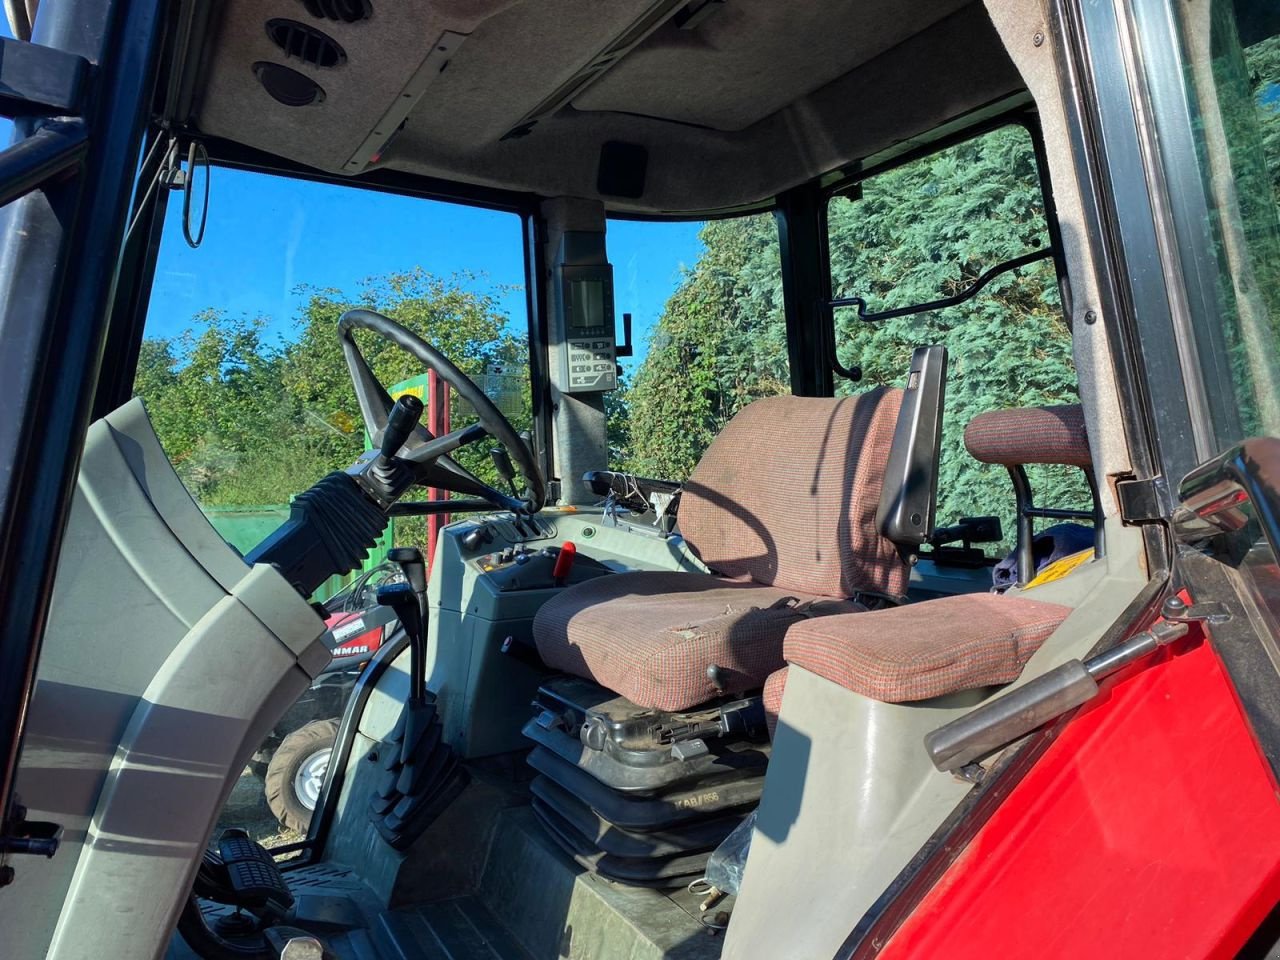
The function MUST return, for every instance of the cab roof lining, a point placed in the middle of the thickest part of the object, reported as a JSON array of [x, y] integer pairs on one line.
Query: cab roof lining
[[758, 97]]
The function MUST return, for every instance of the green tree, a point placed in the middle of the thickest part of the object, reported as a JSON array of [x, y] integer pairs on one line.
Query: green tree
[[922, 231], [249, 423], [1263, 65], [1240, 147], [719, 344], [927, 230]]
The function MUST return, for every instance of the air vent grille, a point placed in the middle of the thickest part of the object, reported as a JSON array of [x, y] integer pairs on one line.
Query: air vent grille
[[340, 11], [290, 87], [305, 43]]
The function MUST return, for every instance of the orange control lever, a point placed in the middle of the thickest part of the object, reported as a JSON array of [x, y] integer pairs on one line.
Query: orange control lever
[[564, 563]]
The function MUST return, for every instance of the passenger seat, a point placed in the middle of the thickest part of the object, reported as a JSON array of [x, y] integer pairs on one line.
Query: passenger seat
[[925, 650]]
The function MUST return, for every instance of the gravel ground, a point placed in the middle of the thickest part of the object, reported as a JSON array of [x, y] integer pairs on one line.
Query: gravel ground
[[247, 808]]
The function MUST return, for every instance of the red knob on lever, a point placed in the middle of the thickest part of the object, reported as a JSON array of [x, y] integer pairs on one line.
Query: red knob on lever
[[564, 563]]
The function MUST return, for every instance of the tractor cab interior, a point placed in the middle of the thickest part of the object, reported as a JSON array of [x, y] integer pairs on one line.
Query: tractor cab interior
[[607, 670]]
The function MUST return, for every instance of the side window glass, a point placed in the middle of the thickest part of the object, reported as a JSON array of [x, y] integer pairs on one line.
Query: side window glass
[[245, 383], [928, 230], [711, 342], [1233, 54]]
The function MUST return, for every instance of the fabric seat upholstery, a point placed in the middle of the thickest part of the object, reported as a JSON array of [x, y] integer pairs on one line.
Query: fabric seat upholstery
[[674, 626], [782, 505], [774, 687], [922, 650], [1030, 435]]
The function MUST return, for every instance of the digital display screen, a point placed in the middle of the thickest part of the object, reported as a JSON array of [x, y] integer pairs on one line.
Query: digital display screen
[[586, 304]]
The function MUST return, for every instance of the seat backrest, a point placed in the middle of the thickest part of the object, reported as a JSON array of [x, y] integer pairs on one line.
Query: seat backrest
[[1049, 435], [787, 495]]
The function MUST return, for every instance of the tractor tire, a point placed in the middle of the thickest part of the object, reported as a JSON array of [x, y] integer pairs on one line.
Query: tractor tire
[[296, 773]]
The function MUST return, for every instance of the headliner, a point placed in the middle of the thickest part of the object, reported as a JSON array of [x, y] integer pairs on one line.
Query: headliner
[[759, 96]]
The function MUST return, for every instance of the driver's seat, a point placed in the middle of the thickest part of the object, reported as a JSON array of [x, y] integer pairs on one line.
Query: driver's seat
[[782, 508]]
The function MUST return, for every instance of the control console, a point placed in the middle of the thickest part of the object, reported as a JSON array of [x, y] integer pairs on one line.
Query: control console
[[519, 568], [586, 316]]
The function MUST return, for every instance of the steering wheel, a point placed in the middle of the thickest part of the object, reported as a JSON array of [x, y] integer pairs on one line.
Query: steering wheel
[[426, 454]]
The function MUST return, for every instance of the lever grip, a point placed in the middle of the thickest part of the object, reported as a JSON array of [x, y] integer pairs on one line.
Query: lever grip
[[403, 418], [404, 602], [502, 461], [564, 563], [414, 566]]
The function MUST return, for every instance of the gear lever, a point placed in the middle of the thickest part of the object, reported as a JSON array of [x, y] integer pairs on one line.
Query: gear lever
[[409, 601], [421, 773]]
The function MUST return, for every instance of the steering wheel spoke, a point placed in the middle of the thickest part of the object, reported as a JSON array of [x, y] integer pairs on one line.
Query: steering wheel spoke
[[375, 403], [443, 446]]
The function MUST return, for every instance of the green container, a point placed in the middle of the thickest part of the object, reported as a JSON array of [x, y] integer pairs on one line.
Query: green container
[[246, 527]]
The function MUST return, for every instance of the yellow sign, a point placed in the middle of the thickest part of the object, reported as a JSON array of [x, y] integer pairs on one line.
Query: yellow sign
[[1059, 568], [417, 390]]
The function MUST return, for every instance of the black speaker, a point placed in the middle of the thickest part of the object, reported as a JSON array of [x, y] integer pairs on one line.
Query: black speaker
[[622, 169]]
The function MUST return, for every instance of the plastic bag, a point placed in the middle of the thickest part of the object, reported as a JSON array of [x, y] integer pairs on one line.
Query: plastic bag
[[1052, 543], [727, 861]]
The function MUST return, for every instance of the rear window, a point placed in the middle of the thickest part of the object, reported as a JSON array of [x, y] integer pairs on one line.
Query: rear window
[[715, 341], [928, 230]]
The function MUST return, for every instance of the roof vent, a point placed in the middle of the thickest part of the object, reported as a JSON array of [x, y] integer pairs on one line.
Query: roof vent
[[305, 43], [290, 87], [340, 11]]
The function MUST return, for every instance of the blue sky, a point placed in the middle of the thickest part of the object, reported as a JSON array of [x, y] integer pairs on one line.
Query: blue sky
[[268, 236]]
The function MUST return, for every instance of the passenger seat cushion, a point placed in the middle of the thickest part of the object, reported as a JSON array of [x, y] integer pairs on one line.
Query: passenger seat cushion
[[927, 649], [651, 635], [1030, 435], [788, 492], [773, 688]]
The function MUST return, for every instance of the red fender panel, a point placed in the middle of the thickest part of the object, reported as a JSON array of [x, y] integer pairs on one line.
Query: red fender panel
[[1150, 828]]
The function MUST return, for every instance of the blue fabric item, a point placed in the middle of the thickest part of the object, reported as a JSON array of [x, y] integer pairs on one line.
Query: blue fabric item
[[1050, 544]]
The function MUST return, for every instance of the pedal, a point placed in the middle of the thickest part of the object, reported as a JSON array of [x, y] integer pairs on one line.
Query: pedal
[[290, 943], [252, 871]]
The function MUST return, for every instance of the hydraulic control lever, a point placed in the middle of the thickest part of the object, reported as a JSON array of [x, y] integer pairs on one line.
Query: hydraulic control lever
[[409, 601], [506, 470]]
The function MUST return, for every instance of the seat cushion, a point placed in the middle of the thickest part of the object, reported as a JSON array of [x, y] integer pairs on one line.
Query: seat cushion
[[650, 636], [787, 495], [925, 649], [773, 689]]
